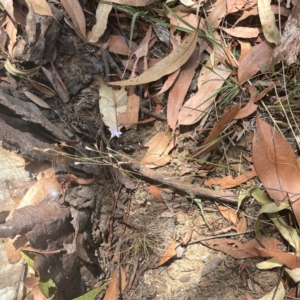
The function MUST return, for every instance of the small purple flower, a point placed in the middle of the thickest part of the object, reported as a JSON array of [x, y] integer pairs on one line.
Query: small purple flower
[[114, 132]]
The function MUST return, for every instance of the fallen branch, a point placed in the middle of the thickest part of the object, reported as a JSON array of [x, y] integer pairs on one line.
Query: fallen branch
[[187, 189]]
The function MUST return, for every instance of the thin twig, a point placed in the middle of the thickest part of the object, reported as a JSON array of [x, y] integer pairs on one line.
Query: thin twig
[[133, 273], [127, 210], [120, 27], [219, 236], [177, 185], [112, 63], [153, 114], [106, 64], [111, 221], [19, 281], [101, 132]]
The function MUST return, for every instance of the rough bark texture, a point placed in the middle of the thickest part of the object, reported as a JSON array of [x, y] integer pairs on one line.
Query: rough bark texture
[[289, 45]]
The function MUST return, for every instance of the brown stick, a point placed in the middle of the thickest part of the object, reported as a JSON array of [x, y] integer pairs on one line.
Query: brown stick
[[188, 189]]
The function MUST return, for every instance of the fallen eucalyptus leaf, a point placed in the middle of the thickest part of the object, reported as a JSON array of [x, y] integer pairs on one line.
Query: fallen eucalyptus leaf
[[40, 7], [166, 66], [268, 22]]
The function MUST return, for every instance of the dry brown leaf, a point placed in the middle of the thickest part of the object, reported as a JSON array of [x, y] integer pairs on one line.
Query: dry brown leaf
[[238, 250], [76, 14], [142, 51], [218, 128], [245, 48], [40, 7], [42, 88], [290, 260], [5, 79], [37, 294], [225, 229], [196, 107], [247, 110], [276, 165], [250, 106], [169, 82], [274, 162], [159, 147], [179, 89], [171, 251], [98, 29], [73, 178], [117, 44], [290, 295], [189, 18], [235, 5], [242, 32], [281, 10], [241, 226], [268, 22], [9, 7], [30, 282], [113, 288], [216, 15], [248, 296], [40, 190], [272, 85], [254, 11], [258, 55], [56, 81], [130, 118], [228, 182], [133, 2], [11, 31], [167, 65], [19, 13], [128, 64], [37, 100], [187, 237], [14, 247], [228, 213], [155, 192], [230, 57]]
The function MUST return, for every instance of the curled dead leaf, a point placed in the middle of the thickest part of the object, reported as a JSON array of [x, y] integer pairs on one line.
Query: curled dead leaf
[[268, 22]]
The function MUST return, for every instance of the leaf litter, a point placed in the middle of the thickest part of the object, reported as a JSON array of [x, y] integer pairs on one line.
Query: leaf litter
[[168, 65], [227, 67]]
